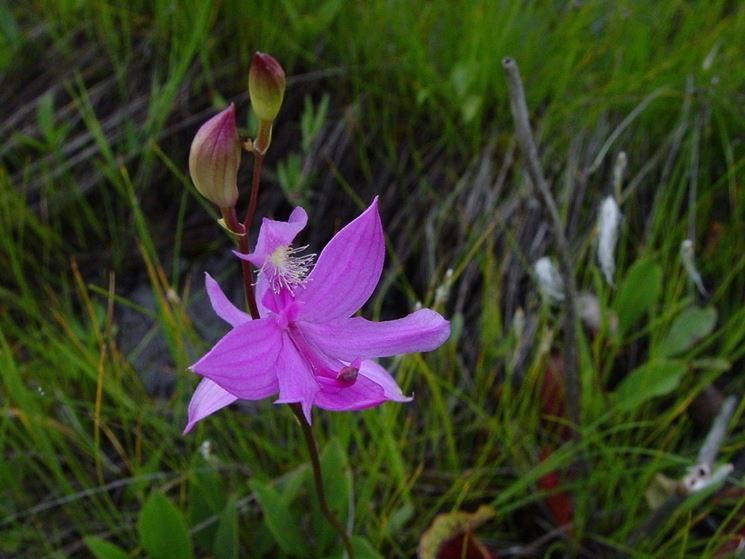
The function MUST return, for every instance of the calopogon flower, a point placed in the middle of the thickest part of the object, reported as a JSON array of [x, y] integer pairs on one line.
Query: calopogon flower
[[307, 345]]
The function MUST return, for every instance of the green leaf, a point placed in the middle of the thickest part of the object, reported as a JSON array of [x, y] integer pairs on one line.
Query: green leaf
[[226, 540], [206, 498], [102, 549], [45, 116], [398, 518], [470, 107], [690, 326], [654, 378], [638, 291], [717, 364], [337, 484], [363, 549], [337, 479], [279, 520], [291, 485], [141, 482], [162, 529]]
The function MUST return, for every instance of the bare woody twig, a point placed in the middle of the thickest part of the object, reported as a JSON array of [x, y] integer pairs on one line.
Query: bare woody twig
[[535, 172], [714, 438]]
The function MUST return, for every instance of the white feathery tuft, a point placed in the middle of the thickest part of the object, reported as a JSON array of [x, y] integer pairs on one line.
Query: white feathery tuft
[[550, 283], [609, 222]]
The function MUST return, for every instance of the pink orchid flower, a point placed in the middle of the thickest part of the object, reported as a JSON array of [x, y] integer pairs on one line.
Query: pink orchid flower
[[307, 345]]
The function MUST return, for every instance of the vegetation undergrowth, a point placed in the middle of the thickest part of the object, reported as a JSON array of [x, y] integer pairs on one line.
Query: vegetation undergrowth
[[102, 246]]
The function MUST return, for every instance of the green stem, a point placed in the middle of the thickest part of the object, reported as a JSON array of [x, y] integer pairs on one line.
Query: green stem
[[310, 441]]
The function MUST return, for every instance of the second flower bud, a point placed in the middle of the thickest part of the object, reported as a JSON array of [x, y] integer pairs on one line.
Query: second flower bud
[[214, 159], [266, 86]]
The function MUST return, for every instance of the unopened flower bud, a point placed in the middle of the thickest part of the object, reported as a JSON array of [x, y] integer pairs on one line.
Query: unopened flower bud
[[214, 158], [266, 86]]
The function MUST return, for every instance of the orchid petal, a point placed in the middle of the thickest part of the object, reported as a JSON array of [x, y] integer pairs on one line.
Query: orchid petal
[[347, 270], [261, 288], [423, 330], [262, 284], [276, 302], [273, 234], [222, 305], [373, 387], [296, 381], [243, 361], [377, 374], [206, 400]]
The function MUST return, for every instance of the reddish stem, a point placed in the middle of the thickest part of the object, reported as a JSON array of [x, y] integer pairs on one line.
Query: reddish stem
[[243, 241], [310, 441], [247, 269], [259, 149], [258, 161], [241, 233]]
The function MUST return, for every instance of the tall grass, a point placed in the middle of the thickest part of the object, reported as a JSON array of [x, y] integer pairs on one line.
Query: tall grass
[[99, 103]]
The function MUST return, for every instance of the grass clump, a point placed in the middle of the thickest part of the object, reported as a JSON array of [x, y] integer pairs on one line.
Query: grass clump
[[102, 245]]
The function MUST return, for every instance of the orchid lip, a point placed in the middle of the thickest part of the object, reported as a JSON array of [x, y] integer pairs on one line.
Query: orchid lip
[[317, 360], [347, 374]]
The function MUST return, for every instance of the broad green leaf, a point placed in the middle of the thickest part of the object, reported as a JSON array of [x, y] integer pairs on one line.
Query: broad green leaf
[[638, 291], [162, 529], [101, 549], [291, 485], [336, 477], [654, 378], [337, 483], [279, 520], [226, 539], [690, 326]]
